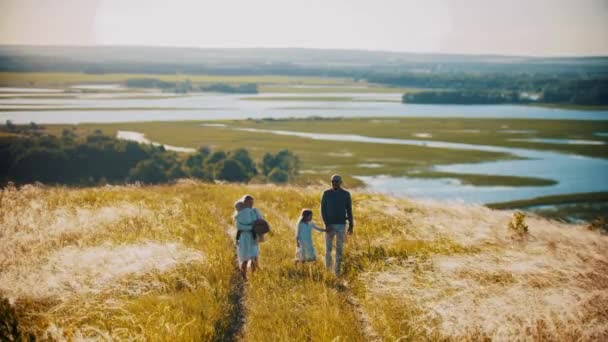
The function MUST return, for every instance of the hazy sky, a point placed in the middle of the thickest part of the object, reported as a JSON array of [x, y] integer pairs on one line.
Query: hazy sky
[[513, 27]]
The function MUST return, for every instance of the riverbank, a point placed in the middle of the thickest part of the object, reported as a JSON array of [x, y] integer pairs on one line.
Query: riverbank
[[577, 207]]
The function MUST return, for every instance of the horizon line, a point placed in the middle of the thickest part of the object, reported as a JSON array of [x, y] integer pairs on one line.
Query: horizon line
[[461, 54]]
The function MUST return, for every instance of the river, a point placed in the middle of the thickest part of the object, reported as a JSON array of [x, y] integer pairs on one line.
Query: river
[[105, 108], [574, 173]]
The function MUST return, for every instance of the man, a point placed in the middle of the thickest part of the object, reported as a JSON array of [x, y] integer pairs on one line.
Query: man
[[336, 209]]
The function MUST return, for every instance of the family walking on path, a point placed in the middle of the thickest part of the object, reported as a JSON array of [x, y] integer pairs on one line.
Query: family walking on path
[[336, 212]]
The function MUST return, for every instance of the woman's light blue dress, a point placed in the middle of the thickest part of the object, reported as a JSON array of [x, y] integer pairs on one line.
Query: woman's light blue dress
[[247, 248], [306, 251]]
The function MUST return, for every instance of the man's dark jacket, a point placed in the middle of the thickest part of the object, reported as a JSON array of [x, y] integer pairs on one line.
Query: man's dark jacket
[[336, 207]]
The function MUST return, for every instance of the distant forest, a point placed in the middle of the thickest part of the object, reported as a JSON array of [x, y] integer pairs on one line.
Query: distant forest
[[290, 61], [471, 79], [28, 154], [187, 86], [496, 89]]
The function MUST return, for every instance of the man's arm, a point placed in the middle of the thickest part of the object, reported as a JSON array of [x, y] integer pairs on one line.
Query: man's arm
[[324, 209], [349, 212]]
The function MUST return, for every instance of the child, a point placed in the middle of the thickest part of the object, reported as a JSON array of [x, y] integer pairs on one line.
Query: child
[[305, 250]]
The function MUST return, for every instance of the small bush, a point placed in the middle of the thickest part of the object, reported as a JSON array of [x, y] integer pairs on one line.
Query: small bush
[[278, 176], [9, 327], [600, 224], [518, 224]]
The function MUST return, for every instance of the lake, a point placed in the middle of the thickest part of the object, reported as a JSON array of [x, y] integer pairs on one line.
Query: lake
[[574, 173], [167, 107]]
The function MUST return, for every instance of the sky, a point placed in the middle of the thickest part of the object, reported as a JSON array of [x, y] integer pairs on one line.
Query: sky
[[502, 27]]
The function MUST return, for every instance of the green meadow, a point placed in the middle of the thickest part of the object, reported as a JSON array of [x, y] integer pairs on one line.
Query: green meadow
[[70, 78], [266, 83], [553, 200], [356, 158]]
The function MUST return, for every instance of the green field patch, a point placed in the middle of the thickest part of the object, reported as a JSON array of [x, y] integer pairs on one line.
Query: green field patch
[[553, 200], [60, 79], [300, 98], [334, 89], [486, 180], [69, 109], [569, 106], [457, 130], [322, 157]]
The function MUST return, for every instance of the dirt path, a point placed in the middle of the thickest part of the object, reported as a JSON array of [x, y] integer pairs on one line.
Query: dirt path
[[237, 296], [365, 324]]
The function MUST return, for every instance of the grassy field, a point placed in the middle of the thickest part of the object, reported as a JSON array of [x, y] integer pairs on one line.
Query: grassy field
[[158, 263], [300, 98], [106, 109], [266, 84], [488, 180], [557, 199], [318, 157], [62, 79], [315, 98], [354, 88], [497, 132], [354, 158], [577, 207], [569, 106]]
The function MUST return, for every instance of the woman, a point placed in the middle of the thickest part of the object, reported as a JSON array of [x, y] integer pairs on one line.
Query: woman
[[247, 244]]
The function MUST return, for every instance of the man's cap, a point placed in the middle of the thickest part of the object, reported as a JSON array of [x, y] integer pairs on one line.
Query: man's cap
[[336, 178]]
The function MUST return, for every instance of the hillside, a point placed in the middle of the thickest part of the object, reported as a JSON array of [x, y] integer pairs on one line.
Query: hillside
[[158, 263]]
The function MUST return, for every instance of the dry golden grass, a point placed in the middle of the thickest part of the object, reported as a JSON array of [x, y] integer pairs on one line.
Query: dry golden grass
[[553, 285], [158, 263]]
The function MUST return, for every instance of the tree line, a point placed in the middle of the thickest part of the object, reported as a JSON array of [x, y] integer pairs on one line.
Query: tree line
[[464, 97], [28, 154], [187, 86], [460, 88]]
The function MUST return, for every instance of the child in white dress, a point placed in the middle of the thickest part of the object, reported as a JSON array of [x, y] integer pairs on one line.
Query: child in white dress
[[305, 250]]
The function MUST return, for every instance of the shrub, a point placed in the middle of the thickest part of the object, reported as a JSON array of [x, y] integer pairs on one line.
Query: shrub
[[278, 176], [232, 171], [284, 160], [148, 171], [9, 327], [600, 224], [518, 224]]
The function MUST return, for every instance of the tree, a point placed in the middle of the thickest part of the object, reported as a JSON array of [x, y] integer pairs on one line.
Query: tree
[[10, 126], [40, 164], [176, 172], [68, 134], [284, 160], [148, 171], [242, 156], [267, 163], [278, 176], [232, 171], [216, 157]]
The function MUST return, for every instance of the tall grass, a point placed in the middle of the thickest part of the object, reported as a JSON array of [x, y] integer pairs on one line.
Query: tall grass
[[158, 263], [159, 268]]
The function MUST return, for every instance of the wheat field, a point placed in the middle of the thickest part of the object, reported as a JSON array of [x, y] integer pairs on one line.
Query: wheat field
[[157, 263]]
